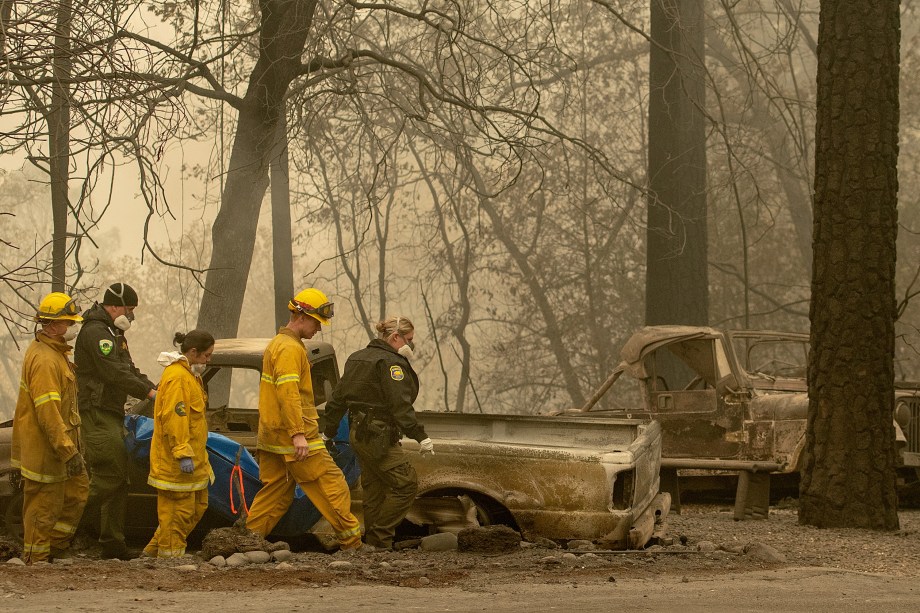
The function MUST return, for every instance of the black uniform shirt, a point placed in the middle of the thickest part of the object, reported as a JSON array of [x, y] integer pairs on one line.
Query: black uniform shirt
[[106, 374], [376, 376]]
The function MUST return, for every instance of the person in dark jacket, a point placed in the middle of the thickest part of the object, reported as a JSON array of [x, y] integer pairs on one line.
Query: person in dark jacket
[[378, 390], [106, 376]]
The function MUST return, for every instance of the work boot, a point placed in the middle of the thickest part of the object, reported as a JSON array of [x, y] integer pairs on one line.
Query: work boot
[[61, 553], [118, 551], [362, 549]]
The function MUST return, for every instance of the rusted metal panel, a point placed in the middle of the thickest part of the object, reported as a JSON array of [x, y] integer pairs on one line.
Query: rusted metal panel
[[559, 488]]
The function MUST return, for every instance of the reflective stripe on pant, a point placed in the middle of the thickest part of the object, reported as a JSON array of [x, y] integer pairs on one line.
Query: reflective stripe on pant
[[107, 461], [178, 514], [320, 479], [389, 485], [50, 513]]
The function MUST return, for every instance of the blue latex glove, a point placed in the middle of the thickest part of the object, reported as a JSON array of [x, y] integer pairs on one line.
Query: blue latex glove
[[186, 465]]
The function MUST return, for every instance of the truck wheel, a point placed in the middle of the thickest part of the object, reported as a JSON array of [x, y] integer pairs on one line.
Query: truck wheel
[[12, 518], [491, 513]]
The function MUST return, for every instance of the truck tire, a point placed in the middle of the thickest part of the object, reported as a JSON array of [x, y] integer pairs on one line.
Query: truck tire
[[490, 512], [12, 518]]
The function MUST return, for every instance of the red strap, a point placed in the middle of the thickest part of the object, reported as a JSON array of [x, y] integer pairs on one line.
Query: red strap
[[238, 472]]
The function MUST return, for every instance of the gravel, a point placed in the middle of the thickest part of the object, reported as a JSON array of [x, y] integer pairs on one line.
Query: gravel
[[703, 542], [894, 553]]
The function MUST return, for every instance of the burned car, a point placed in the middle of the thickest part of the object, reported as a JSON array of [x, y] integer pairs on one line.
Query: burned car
[[565, 477], [732, 400]]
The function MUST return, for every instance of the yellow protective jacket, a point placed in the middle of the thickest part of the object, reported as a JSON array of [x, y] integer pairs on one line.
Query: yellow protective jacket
[[46, 425], [180, 430], [286, 397]]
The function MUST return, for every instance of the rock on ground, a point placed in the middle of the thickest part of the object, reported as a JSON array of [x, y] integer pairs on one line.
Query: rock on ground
[[444, 541], [489, 539], [227, 541]]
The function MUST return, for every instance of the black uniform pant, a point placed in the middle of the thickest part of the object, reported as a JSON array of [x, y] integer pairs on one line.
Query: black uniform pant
[[389, 485], [107, 462]]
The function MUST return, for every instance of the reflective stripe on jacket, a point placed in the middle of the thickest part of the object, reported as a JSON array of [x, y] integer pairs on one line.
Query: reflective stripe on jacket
[[180, 430], [46, 424], [286, 405]]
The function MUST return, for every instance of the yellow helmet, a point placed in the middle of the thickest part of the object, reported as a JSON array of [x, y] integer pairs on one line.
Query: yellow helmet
[[57, 305], [314, 303]]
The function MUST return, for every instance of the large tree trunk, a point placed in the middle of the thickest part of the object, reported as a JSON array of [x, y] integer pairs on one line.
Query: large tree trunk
[[282, 243], [848, 476], [283, 33], [59, 145], [677, 281]]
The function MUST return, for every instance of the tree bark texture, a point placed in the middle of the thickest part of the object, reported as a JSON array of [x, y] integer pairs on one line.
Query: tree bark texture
[[283, 33], [59, 145], [282, 243], [677, 280], [848, 471]]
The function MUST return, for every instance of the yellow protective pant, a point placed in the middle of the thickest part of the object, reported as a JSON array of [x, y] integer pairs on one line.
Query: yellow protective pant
[[178, 514], [50, 514], [320, 479]]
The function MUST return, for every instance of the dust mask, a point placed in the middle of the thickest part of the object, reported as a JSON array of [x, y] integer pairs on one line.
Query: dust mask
[[71, 333], [123, 322], [405, 351], [198, 369]]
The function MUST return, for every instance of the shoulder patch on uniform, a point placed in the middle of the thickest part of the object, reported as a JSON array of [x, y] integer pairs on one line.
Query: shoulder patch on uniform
[[396, 373], [105, 346], [180, 409]]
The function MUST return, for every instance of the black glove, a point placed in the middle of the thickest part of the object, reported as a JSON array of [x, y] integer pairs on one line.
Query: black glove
[[74, 465]]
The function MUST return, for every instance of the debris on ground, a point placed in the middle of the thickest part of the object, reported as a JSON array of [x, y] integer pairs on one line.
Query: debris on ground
[[225, 542], [489, 539], [9, 548]]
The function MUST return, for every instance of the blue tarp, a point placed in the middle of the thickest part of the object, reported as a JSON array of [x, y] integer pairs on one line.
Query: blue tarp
[[224, 454]]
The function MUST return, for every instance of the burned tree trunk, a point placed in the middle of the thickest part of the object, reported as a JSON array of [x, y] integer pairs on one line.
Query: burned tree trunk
[[282, 243], [283, 34], [848, 476], [59, 145], [677, 281]]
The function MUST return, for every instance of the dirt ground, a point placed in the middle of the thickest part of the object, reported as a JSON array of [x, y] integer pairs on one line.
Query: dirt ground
[[709, 546]]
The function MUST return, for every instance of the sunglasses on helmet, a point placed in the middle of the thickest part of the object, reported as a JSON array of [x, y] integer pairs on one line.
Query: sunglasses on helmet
[[325, 311], [70, 308]]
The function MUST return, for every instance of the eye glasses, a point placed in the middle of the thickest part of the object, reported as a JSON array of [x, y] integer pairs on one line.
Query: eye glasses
[[326, 311]]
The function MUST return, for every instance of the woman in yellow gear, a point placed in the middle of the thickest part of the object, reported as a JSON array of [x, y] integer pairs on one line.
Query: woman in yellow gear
[[179, 467], [46, 435]]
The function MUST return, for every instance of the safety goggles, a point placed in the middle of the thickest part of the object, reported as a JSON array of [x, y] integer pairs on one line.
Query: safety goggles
[[325, 311], [70, 308]]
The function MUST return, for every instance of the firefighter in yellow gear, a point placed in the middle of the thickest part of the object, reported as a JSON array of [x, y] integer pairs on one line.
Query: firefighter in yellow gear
[[179, 467], [291, 450], [46, 444]]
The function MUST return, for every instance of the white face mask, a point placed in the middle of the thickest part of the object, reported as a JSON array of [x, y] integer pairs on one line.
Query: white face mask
[[71, 333], [405, 351], [198, 369], [122, 323]]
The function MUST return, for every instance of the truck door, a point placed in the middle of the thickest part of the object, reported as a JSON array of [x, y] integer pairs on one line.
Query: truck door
[[696, 421]]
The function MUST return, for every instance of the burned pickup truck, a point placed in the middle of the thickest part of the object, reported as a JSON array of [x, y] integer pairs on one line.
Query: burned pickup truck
[[729, 400], [563, 478]]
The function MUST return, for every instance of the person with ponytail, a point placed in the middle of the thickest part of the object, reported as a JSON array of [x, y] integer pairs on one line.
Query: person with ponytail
[[179, 467], [377, 391]]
